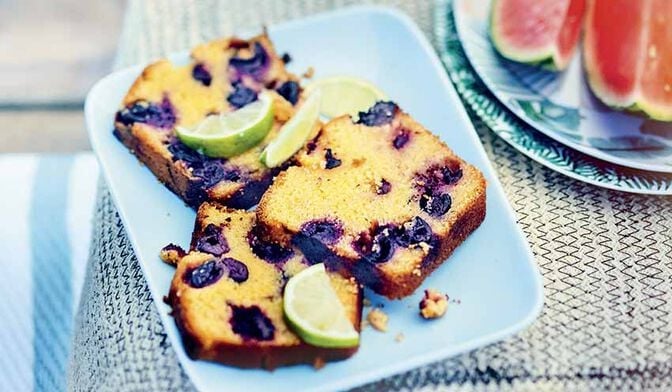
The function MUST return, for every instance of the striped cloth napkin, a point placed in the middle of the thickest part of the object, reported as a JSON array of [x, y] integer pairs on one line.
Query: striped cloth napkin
[[46, 210]]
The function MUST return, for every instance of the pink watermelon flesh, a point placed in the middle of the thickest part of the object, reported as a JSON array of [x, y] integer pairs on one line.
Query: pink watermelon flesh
[[537, 31], [628, 54]]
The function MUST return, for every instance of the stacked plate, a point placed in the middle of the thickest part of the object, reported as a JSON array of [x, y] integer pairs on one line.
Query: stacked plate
[[551, 117]]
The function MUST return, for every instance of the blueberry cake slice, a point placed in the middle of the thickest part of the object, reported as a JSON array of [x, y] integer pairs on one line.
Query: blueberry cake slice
[[227, 293], [221, 76], [382, 199]]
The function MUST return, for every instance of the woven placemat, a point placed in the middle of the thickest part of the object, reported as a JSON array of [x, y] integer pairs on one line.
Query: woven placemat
[[606, 258]]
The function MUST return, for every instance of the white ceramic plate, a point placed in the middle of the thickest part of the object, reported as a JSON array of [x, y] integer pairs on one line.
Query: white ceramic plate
[[493, 274], [560, 104]]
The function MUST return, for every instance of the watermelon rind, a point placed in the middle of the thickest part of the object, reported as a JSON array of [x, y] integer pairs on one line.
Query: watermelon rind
[[545, 57]]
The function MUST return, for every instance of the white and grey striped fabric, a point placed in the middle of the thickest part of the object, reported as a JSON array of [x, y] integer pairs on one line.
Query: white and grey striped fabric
[[45, 213]]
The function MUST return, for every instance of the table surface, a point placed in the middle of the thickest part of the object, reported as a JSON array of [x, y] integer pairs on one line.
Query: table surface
[[606, 257]]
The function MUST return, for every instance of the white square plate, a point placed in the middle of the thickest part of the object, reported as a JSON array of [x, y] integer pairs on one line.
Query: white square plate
[[493, 274]]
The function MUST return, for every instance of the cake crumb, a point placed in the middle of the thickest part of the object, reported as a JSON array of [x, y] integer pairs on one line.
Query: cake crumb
[[319, 363], [417, 272], [366, 302], [433, 305], [378, 319], [399, 338], [171, 254], [309, 73], [425, 247]]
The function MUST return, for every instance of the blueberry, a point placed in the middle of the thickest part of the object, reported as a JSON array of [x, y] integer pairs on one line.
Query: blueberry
[[380, 113], [269, 251], [286, 58], [290, 91], [384, 188], [201, 74], [212, 241], [183, 153], [204, 275], [332, 161], [413, 232], [211, 173], [159, 116], [401, 139], [255, 66], [251, 323], [435, 204], [382, 246], [241, 95], [451, 175], [325, 231], [237, 270]]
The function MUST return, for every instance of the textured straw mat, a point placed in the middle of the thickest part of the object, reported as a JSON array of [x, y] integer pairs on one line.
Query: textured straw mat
[[606, 258]]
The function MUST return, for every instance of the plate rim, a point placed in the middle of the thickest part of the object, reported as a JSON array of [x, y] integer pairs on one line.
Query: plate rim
[[494, 186], [460, 26], [440, 14]]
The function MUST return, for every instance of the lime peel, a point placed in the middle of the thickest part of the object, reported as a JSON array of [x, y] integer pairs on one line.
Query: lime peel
[[293, 135], [343, 95], [314, 311], [228, 134]]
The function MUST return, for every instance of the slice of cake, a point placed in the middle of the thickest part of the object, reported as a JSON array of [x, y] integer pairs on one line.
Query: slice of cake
[[222, 76], [382, 199], [227, 295]]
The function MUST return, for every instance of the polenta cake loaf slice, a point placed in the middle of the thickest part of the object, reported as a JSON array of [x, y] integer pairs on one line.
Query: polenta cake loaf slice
[[227, 295], [381, 198], [222, 76]]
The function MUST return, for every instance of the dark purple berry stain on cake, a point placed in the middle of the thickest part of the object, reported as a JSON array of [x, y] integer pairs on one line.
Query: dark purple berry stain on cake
[[451, 175], [268, 251], [413, 232], [384, 188], [251, 323], [160, 116], [201, 73], [204, 275], [211, 240], [436, 205], [380, 113], [241, 95], [255, 66], [314, 237], [382, 246], [237, 271], [401, 139], [332, 161], [290, 91]]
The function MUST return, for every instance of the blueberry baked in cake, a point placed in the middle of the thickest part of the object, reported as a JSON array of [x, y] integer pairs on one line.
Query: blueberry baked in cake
[[222, 76], [227, 293], [380, 198]]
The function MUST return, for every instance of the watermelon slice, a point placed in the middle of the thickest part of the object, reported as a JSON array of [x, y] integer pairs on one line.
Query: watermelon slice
[[542, 32], [627, 54]]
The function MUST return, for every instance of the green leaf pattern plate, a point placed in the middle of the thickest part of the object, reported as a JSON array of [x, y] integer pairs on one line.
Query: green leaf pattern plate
[[564, 125]]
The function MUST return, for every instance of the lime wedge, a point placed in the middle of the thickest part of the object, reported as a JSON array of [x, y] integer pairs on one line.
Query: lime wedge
[[229, 134], [314, 311], [293, 134], [345, 95]]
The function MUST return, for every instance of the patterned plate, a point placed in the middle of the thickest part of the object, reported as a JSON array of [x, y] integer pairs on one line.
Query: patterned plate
[[560, 104], [534, 144]]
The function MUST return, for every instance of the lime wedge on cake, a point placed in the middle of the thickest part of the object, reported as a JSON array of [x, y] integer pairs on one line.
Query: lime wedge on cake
[[315, 312], [294, 133], [229, 134], [345, 95]]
